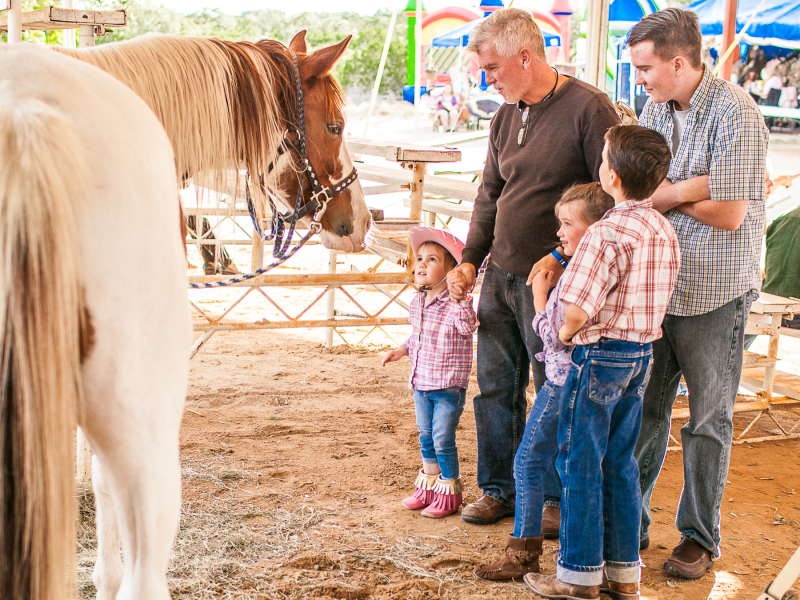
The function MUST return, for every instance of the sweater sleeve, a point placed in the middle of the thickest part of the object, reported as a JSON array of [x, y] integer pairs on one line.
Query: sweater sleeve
[[598, 118], [481, 226]]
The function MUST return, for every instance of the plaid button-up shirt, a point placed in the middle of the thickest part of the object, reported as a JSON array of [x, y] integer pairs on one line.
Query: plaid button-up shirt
[[440, 346], [623, 274], [725, 138]]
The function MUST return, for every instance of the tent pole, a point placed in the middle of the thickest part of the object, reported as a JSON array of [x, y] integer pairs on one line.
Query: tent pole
[[381, 66], [417, 60], [728, 33]]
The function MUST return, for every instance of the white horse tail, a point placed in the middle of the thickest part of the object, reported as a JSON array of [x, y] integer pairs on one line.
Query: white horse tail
[[41, 319]]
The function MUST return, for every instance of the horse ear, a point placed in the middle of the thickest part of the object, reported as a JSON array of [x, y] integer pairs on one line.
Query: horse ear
[[321, 62], [298, 43]]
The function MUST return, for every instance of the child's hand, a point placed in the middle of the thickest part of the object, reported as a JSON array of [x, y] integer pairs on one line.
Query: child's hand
[[541, 282], [393, 355], [565, 336]]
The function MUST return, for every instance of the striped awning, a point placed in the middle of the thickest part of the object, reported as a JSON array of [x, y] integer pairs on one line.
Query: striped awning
[[442, 60]]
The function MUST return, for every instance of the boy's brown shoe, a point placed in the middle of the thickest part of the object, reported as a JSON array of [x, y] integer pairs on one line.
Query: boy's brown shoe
[[521, 557], [620, 591], [551, 521], [549, 586], [486, 511], [689, 560]]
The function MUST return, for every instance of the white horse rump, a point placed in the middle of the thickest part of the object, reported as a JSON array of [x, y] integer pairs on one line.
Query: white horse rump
[[95, 327]]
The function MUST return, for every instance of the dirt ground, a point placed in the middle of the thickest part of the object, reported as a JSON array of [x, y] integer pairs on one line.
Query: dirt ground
[[295, 459]]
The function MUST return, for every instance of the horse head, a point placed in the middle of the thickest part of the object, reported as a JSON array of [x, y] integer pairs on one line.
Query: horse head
[[346, 220]]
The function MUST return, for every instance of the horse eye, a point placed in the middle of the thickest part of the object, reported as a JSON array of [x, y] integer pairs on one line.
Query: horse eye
[[335, 128]]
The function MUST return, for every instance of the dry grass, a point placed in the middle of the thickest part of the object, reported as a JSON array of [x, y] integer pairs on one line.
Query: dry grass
[[269, 546]]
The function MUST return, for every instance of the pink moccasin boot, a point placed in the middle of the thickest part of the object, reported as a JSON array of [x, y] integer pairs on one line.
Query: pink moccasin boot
[[423, 492], [447, 500]]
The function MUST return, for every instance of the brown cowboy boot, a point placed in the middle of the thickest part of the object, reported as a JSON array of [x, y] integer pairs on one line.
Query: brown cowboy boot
[[551, 521], [550, 586], [619, 591], [521, 557]]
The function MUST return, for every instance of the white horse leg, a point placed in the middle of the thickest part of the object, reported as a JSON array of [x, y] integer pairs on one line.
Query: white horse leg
[[107, 575]]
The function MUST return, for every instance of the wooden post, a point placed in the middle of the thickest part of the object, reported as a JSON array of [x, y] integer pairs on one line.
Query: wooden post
[[87, 36], [15, 22], [415, 212], [597, 43], [728, 34], [257, 255], [331, 300]]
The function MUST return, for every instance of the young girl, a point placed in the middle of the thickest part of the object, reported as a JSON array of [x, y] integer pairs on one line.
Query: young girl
[[579, 207], [440, 349]]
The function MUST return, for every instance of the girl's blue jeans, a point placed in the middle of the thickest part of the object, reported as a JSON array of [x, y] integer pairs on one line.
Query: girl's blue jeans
[[534, 476], [438, 412], [599, 420]]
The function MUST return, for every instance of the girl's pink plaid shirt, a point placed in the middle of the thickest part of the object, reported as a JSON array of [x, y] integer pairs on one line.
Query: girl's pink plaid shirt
[[440, 346]]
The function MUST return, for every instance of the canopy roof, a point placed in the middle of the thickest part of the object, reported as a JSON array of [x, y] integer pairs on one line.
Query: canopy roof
[[624, 14], [776, 24], [460, 37]]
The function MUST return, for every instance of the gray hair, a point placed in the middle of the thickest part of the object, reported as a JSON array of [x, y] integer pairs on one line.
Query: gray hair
[[511, 29]]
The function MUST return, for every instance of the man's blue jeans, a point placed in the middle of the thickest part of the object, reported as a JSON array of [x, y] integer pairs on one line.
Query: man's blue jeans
[[708, 350], [599, 418], [506, 348], [438, 412], [534, 474]]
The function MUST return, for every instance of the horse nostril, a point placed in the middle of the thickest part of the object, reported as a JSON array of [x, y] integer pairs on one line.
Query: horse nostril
[[344, 229]]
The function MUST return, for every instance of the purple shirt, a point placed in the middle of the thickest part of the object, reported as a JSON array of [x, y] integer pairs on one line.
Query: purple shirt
[[546, 324], [440, 346]]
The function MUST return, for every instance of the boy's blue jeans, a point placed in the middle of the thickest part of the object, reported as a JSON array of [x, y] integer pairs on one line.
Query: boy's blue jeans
[[438, 412], [600, 415], [534, 476]]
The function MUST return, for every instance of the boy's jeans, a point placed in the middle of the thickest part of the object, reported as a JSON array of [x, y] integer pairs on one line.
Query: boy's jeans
[[438, 412], [600, 414], [533, 475], [506, 348], [708, 350]]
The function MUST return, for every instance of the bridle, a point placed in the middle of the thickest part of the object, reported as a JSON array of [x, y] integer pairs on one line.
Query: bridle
[[320, 195], [316, 206]]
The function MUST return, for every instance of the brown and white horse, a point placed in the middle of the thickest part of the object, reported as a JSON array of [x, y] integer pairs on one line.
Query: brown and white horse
[[95, 334], [229, 104]]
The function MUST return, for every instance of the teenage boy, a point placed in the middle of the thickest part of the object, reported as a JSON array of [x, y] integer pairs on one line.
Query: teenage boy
[[617, 288], [714, 199]]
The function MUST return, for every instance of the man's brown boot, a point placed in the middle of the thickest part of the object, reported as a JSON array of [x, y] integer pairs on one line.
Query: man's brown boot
[[549, 586], [620, 591], [521, 556], [689, 560], [551, 521], [486, 511]]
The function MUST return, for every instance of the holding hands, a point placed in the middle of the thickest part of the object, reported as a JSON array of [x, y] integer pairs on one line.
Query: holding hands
[[460, 281]]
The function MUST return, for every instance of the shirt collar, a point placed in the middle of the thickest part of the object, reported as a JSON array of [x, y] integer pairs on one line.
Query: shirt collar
[[631, 205], [701, 93], [442, 296]]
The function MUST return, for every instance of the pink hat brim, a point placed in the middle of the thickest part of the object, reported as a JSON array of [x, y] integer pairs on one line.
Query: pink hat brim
[[420, 235]]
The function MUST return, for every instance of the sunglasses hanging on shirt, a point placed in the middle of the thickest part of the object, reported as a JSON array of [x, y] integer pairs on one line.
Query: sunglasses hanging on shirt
[[523, 132]]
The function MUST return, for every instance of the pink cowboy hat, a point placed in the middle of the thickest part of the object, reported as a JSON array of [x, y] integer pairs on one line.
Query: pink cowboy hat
[[420, 235]]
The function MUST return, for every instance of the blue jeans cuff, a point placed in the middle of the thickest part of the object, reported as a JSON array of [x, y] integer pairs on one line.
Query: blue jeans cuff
[[498, 497], [577, 575], [623, 572]]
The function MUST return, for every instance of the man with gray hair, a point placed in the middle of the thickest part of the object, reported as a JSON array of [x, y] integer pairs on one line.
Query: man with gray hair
[[547, 137]]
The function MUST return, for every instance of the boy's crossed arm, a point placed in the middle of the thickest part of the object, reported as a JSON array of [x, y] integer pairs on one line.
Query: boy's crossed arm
[[574, 319]]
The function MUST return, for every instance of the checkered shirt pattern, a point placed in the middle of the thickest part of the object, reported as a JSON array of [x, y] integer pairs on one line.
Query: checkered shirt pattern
[[440, 346], [725, 138], [623, 274]]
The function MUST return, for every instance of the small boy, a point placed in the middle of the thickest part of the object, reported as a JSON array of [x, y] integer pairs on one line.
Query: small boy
[[617, 288], [440, 349]]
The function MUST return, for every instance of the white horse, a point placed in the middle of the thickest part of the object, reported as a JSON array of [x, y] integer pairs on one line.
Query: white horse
[[92, 333]]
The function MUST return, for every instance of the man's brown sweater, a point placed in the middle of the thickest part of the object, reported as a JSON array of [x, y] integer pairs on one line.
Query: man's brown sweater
[[514, 216]]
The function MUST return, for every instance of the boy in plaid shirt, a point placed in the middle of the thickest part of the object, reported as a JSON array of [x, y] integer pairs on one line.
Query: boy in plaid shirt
[[440, 349], [617, 288]]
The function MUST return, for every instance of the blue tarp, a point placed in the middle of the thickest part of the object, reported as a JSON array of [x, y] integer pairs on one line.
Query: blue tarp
[[460, 37], [776, 24], [624, 14]]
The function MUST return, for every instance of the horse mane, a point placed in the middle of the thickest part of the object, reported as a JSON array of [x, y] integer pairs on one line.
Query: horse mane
[[223, 104]]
